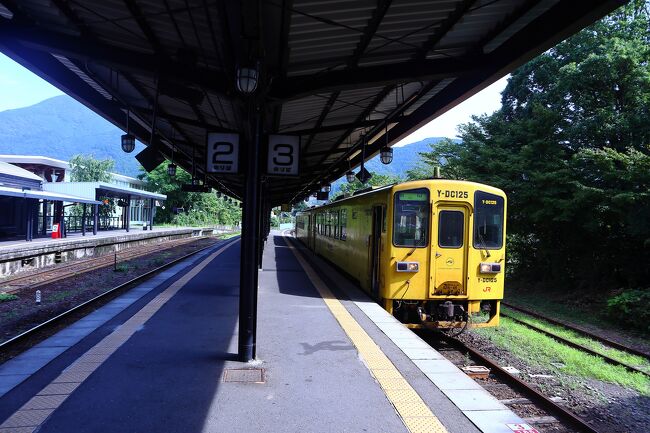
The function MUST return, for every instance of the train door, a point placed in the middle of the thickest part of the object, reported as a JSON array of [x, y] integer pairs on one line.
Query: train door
[[375, 249], [450, 239]]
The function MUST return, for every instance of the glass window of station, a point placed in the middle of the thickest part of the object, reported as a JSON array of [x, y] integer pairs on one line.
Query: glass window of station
[[411, 218], [488, 221]]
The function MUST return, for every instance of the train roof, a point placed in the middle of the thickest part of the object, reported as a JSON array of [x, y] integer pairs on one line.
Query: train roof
[[412, 183]]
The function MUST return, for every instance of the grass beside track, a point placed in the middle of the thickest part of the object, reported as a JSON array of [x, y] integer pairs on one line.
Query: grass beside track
[[538, 350], [619, 355]]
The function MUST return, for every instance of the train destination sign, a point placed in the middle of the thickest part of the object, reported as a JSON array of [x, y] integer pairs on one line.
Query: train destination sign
[[413, 196], [284, 155], [223, 153]]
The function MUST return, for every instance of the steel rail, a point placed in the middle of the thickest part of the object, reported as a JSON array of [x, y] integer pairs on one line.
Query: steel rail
[[531, 393], [77, 267], [575, 345], [54, 320], [604, 340]]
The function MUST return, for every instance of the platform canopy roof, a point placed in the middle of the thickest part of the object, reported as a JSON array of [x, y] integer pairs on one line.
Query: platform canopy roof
[[332, 72]]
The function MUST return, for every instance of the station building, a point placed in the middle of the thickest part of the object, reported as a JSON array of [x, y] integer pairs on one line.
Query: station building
[[36, 193]]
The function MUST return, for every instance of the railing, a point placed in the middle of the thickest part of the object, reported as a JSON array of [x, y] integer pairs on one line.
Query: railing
[[73, 223]]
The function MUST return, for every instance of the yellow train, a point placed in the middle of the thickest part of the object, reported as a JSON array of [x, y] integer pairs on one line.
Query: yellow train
[[431, 252]]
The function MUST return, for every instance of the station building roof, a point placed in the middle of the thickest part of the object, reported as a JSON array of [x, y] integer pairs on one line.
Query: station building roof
[[37, 160], [92, 190], [58, 163], [15, 171], [339, 74]]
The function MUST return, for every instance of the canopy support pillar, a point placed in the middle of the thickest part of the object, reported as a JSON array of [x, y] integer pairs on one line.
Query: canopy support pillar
[[250, 243]]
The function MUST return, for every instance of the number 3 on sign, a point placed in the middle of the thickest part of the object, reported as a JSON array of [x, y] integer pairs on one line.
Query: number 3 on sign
[[284, 155]]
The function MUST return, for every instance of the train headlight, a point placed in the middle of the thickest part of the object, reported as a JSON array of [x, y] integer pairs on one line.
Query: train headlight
[[407, 266], [489, 268]]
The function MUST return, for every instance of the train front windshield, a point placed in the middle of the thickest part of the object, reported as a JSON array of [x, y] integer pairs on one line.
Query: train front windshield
[[488, 221], [411, 218]]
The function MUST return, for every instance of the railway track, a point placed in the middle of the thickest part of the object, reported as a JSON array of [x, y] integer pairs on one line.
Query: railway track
[[575, 345], [21, 339], [59, 272], [527, 402], [579, 330]]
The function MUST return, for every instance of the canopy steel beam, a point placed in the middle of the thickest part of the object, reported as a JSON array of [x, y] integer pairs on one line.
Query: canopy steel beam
[[375, 76], [81, 48]]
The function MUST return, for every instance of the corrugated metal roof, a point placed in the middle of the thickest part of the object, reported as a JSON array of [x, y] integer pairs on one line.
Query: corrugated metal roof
[[336, 72], [89, 190], [44, 195]]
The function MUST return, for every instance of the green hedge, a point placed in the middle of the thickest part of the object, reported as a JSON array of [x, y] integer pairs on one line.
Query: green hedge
[[631, 308]]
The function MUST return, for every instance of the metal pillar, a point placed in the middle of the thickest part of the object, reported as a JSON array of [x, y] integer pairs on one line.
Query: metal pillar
[[83, 219], [127, 217], [95, 218], [44, 228], [250, 241], [152, 203], [28, 221], [260, 227]]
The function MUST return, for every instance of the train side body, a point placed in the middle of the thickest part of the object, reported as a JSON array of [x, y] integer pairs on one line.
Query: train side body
[[432, 252]]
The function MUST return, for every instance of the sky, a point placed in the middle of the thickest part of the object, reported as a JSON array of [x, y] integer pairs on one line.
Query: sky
[[486, 101], [20, 88]]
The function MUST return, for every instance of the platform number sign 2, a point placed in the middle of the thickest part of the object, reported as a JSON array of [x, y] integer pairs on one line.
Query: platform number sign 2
[[283, 155], [223, 153]]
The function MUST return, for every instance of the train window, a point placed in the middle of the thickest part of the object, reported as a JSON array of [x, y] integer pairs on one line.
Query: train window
[[329, 224], [335, 223], [344, 223], [383, 219], [411, 218], [326, 223], [451, 229], [488, 221]]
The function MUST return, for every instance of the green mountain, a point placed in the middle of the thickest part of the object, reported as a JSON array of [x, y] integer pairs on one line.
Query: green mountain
[[61, 127], [404, 158]]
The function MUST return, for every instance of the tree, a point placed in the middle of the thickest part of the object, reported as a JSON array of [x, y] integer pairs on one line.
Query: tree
[[85, 168], [570, 146], [197, 208]]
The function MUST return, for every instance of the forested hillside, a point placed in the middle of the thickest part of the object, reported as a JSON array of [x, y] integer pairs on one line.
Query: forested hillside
[[61, 127], [570, 146]]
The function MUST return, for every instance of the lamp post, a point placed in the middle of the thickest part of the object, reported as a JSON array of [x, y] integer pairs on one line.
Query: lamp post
[[128, 139], [349, 176]]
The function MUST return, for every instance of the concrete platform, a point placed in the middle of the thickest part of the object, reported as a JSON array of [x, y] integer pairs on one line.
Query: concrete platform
[[162, 358], [18, 255]]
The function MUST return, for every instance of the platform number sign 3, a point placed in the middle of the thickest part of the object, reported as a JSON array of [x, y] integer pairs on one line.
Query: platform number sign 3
[[223, 153], [283, 155]]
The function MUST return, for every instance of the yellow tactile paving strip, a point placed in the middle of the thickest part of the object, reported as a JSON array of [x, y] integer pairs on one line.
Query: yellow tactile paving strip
[[33, 413], [415, 414]]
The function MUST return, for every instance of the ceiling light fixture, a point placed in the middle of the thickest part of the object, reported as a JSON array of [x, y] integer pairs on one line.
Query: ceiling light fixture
[[128, 139]]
